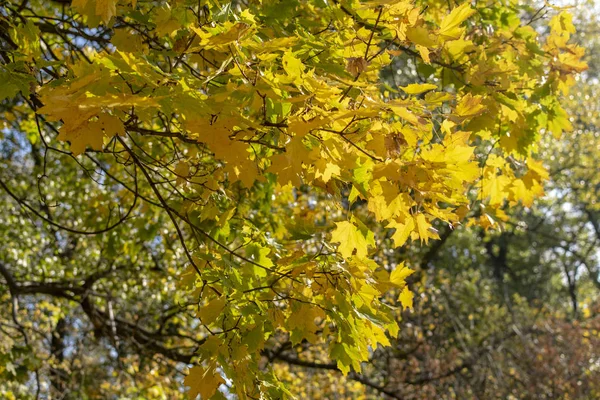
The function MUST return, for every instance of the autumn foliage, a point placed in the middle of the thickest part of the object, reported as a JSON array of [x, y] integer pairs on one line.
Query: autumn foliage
[[264, 154]]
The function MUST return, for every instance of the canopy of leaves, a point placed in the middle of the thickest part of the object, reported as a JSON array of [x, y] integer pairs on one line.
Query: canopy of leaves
[[232, 184]]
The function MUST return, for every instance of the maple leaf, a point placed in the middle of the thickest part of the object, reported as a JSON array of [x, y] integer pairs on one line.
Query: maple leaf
[[106, 9], [303, 324], [494, 188], [403, 231], [562, 23], [255, 338], [399, 274], [537, 167], [450, 27], [292, 66], [203, 382], [346, 357], [352, 240], [406, 298], [420, 36], [417, 88], [82, 133], [469, 106], [424, 228], [521, 192], [211, 311]]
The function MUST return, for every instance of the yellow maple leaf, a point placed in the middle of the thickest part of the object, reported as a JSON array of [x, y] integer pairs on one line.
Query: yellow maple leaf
[[406, 298], [562, 23], [469, 106], [292, 66], [300, 127], [385, 201], [221, 36], [106, 9], [351, 239], [419, 35], [571, 60], [417, 88], [325, 169], [81, 133], [450, 27], [303, 323], [403, 231], [203, 382], [538, 168], [520, 192], [493, 187], [210, 312], [424, 52], [288, 166], [182, 170], [400, 273], [425, 229], [405, 114]]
